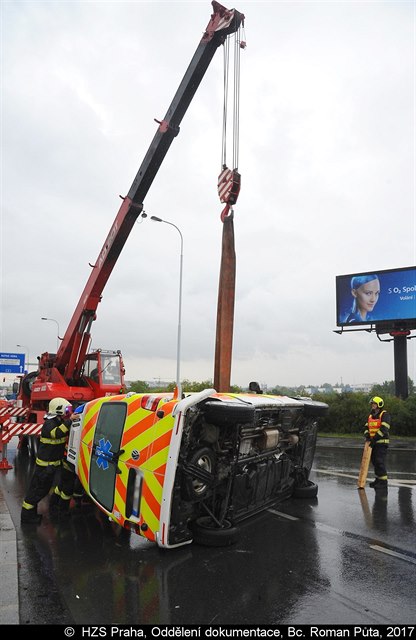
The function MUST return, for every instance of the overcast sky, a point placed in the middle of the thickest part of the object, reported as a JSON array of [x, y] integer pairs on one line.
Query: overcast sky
[[327, 158]]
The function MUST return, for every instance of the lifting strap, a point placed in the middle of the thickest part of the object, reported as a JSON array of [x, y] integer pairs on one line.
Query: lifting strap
[[229, 182]]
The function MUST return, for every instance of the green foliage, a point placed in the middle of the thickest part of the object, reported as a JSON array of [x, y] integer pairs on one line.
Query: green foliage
[[140, 386], [192, 387], [284, 391], [189, 386], [348, 413], [388, 388], [385, 389], [403, 415]]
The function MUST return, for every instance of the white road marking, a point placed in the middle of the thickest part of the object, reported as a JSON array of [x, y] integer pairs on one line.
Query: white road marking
[[283, 515], [393, 553], [325, 527], [394, 483]]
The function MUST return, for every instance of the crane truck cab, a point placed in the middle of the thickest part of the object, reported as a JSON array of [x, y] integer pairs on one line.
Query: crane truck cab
[[105, 369], [176, 471], [102, 374]]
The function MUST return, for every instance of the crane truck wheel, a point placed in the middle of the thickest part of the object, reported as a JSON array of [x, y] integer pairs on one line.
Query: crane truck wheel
[[27, 383]]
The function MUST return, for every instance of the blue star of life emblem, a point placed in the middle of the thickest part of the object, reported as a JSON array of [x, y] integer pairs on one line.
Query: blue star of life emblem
[[103, 453]]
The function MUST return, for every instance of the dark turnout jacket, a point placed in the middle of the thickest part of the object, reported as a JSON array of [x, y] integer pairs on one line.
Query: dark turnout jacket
[[52, 442]]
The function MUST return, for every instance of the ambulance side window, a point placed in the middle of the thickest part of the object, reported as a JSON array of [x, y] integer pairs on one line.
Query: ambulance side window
[[110, 423], [104, 459]]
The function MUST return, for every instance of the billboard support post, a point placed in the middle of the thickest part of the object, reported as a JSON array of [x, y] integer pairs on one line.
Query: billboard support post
[[400, 364]]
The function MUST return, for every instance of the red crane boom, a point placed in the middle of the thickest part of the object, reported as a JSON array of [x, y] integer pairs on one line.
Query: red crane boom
[[72, 372]]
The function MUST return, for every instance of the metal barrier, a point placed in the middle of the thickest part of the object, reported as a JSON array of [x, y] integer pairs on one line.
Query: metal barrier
[[9, 429]]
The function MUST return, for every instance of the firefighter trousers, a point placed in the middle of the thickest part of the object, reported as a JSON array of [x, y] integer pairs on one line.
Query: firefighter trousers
[[42, 481], [378, 460], [65, 485]]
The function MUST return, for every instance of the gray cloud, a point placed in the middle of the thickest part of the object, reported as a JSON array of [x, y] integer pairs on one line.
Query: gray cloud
[[327, 164]]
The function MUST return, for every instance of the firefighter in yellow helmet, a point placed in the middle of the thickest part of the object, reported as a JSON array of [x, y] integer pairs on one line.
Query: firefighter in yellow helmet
[[377, 432], [52, 443]]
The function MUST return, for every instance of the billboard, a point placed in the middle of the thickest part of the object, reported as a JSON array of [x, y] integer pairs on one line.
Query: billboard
[[376, 296]]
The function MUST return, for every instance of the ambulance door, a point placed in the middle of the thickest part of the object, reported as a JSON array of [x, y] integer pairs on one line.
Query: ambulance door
[[106, 451]]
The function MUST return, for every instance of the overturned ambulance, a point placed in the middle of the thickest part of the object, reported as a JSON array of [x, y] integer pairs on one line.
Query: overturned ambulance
[[178, 471]]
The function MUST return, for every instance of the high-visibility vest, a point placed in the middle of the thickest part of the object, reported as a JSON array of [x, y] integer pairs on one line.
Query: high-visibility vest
[[374, 424]]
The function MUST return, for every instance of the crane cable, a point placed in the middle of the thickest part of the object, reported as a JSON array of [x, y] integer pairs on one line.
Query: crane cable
[[229, 180]]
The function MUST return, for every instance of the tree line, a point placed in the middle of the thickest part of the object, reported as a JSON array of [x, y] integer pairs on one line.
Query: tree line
[[348, 411]]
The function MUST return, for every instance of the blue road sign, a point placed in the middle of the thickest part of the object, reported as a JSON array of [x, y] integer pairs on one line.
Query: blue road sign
[[12, 363]]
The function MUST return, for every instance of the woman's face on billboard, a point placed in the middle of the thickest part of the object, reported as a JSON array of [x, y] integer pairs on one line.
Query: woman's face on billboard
[[367, 296]]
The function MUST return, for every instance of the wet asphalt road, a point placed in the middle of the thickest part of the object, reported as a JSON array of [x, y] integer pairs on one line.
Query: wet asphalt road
[[348, 557]]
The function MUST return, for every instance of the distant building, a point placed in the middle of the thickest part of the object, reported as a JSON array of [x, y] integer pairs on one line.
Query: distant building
[[365, 387]]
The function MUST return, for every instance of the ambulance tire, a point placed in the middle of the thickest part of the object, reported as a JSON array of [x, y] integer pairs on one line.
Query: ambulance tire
[[308, 492], [315, 409], [196, 488], [226, 415], [207, 533]]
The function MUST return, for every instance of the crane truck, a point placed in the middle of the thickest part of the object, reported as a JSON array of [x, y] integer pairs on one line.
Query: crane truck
[[73, 372]]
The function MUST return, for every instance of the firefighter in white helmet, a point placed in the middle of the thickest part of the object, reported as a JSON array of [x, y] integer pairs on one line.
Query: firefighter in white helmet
[[52, 442], [68, 485], [377, 432]]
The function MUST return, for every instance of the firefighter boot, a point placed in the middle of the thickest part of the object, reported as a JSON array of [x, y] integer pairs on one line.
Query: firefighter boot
[[54, 503], [30, 516], [58, 508], [64, 508], [379, 484]]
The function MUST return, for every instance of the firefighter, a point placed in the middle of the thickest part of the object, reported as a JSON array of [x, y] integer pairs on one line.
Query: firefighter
[[377, 433], [53, 438], [68, 485]]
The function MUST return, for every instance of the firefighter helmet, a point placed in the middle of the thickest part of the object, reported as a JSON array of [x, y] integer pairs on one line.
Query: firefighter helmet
[[378, 401], [59, 407]]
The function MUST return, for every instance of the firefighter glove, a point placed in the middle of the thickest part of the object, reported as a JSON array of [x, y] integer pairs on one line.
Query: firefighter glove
[[376, 438]]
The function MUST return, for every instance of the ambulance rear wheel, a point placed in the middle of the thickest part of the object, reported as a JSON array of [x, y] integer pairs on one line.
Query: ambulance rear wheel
[[208, 533], [309, 491]]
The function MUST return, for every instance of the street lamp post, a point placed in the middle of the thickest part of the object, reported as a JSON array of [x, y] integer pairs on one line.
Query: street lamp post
[[178, 347], [57, 324], [22, 346]]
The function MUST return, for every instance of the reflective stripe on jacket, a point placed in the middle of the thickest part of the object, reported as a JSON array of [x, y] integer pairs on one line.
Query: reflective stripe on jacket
[[45, 463]]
